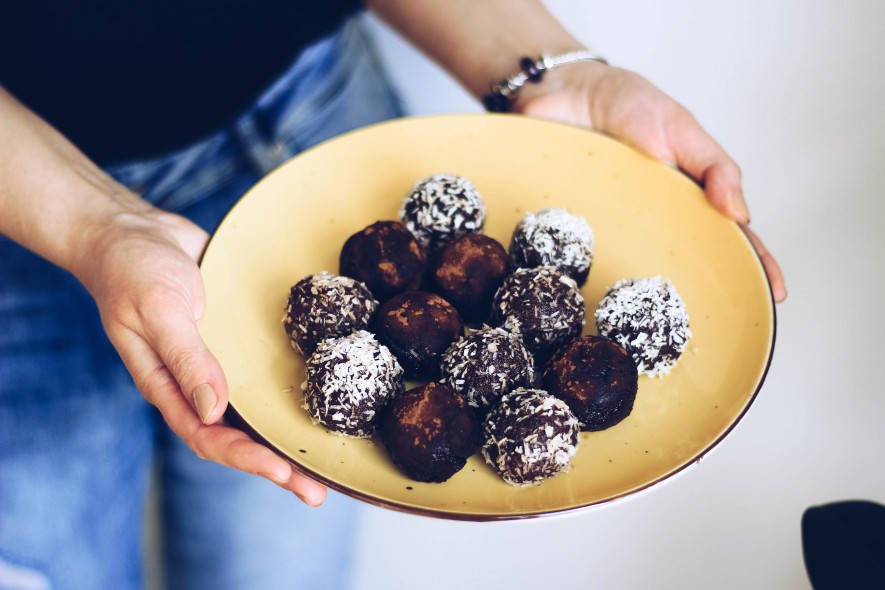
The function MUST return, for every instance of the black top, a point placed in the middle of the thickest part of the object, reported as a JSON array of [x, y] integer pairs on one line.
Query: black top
[[134, 78]]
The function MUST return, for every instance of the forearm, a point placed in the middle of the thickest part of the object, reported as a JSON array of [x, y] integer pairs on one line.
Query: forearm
[[51, 195], [477, 41]]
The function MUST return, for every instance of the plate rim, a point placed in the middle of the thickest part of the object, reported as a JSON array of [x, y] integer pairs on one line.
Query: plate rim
[[236, 420]]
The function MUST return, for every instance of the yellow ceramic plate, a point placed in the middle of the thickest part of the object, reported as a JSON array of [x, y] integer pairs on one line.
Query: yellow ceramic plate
[[648, 220]]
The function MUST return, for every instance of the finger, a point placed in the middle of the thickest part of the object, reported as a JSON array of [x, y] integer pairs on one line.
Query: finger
[[221, 444], [772, 268], [698, 154], [236, 449], [171, 331], [310, 491]]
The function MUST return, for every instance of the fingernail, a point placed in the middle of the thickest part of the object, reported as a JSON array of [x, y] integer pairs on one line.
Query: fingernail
[[312, 502], [780, 294], [739, 205], [205, 401]]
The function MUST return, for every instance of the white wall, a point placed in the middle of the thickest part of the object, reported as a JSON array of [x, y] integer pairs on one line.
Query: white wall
[[795, 91]]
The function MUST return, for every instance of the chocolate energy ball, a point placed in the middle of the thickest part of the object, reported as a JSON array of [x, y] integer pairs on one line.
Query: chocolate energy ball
[[543, 305], [441, 208], [418, 327], [467, 272], [349, 381], [554, 237], [529, 436], [429, 432], [326, 306], [596, 378], [386, 257], [648, 318], [486, 364]]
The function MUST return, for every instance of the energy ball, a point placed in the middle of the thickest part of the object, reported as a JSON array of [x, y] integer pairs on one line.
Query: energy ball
[[543, 305], [554, 237], [467, 272], [529, 436], [596, 378], [486, 364], [441, 208], [386, 257], [349, 381], [648, 318], [429, 432], [326, 306], [418, 327]]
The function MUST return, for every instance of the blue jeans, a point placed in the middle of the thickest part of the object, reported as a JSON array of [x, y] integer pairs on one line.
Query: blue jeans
[[77, 440]]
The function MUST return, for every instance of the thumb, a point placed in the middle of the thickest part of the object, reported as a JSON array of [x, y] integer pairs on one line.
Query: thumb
[[176, 339], [698, 154]]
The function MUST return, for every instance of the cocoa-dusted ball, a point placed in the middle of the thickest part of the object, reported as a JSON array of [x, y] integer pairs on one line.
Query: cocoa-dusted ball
[[349, 381], [418, 327], [442, 207], [429, 432], [486, 364], [529, 436], [467, 272], [386, 257], [543, 305], [554, 237], [326, 306], [596, 378]]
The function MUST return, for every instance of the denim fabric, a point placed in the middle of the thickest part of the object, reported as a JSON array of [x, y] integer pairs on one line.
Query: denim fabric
[[77, 440]]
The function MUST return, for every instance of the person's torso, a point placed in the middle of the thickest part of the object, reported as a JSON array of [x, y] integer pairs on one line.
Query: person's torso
[[125, 79]]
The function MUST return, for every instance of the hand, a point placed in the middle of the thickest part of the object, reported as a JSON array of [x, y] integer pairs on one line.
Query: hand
[[628, 107], [143, 275]]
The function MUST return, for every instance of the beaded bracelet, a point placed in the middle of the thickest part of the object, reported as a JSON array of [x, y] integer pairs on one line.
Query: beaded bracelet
[[504, 92]]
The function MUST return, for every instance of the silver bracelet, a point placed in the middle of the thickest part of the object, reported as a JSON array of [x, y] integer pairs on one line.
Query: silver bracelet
[[531, 70]]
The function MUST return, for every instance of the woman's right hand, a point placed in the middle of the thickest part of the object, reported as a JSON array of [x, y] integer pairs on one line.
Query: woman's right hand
[[140, 265], [141, 268]]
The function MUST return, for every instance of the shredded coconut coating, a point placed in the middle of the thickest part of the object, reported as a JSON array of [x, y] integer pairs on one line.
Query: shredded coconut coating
[[543, 305], [349, 380], [554, 237], [326, 306], [486, 364], [648, 318], [441, 208], [529, 436]]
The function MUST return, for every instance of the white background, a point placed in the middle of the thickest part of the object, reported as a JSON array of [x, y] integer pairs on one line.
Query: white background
[[796, 92]]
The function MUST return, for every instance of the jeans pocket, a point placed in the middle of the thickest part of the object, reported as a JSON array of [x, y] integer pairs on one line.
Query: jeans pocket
[[339, 87], [356, 93]]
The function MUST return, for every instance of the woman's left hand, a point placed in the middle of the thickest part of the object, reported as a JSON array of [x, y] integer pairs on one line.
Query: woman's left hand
[[630, 108]]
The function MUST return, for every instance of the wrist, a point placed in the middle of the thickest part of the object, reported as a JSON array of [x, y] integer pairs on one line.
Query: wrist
[[502, 59], [100, 226], [573, 84], [130, 225]]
